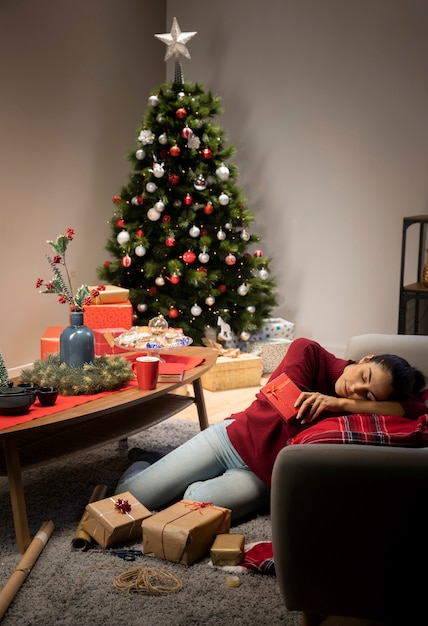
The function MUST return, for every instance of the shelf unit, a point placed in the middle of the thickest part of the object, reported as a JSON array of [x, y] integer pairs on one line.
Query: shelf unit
[[417, 291]]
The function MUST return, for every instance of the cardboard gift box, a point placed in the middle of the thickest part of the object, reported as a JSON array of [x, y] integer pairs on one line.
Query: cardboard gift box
[[227, 549], [234, 373], [110, 295], [114, 521], [271, 351], [49, 342], [117, 315], [104, 341], [184, 532], [274, 328]]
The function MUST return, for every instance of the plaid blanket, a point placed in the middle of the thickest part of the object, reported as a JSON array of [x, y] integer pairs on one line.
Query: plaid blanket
[[359, 428]]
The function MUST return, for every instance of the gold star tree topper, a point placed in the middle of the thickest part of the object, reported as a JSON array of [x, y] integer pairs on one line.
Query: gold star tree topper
[[176, 41]]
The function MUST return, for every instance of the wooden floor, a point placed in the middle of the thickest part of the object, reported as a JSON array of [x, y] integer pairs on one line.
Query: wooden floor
[[220, 404]]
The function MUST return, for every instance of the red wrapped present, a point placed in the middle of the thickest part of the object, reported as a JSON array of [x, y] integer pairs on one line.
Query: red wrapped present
[[104, 340], [117, 315], [49, 342]]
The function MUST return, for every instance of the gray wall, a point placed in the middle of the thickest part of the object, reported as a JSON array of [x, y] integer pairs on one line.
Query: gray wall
[[325, 102]]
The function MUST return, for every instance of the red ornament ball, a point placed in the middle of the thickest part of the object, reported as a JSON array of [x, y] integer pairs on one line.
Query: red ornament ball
[[166, 218], [140, 233], [188, 199], [208, 208], [187, 132], [189, 256], [153, 291], [247, 256], [222, 288], [204, 232], [175, 279], [173, 313], [258, 254], [181, 113], [120, 223], [202, 269], [230, 259], [206, 153], [116, 199], [163, 153], [173, 179], [174, 151], [126, 261], [170, 242]]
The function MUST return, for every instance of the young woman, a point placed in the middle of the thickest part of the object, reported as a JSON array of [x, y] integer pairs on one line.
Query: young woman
[[230, 463]]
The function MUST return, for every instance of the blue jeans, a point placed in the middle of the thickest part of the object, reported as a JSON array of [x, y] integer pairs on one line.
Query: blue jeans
[[206, 468]]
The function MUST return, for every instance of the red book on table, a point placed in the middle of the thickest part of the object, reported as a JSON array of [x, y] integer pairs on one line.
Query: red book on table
[[282, 393]]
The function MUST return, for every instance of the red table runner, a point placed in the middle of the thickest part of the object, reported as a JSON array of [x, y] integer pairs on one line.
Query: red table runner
[[67, 402]]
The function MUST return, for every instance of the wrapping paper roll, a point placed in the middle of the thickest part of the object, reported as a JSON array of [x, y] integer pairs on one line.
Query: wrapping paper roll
[[81, 540], [24, 566]]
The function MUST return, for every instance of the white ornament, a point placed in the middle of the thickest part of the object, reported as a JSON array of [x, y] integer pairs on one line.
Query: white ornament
[[194, 142], [263, 274], [199, 183], [176, 41], [140, 250], [245, 335], [160, 281], [228, 225], [135, 201], [153, 100], [196, 310], [123, 237], [163, 139], [181, 95], [209, 300], [151, 187], [221, 235], [153, 215], [142, 307], [146, 137], [223, 199], [222, 172], [204, 257], [194, 231], [158, 170], [140, 154], [242, 289], [251, 309], [159, 118], [159, 206], [245, 235]]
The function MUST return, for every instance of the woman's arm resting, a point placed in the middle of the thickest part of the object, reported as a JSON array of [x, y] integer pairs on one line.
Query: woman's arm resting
[[312, 404]]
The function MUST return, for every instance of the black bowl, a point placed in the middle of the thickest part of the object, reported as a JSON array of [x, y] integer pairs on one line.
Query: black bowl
[[15, 400], [47, 395]]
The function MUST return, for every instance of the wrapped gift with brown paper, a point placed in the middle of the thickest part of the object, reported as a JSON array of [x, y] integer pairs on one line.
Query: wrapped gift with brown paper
[[227, 549], [184, 532], [114, 520]]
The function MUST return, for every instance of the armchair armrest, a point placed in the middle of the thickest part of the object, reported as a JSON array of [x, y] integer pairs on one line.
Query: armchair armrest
[[348, 530]]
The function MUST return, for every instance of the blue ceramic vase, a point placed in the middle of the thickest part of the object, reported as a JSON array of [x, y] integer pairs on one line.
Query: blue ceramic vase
[[77, 342]]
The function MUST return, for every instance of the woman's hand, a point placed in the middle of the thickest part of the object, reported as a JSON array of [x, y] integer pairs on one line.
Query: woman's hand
[[311, 404]]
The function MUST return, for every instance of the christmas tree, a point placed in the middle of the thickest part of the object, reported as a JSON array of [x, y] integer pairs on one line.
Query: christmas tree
[[4, 376], [181, 228]]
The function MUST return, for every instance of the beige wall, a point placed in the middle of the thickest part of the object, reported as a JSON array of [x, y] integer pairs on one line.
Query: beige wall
[[325, 102]]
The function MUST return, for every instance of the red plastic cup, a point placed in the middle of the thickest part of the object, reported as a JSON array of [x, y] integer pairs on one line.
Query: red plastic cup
[[146, 368]]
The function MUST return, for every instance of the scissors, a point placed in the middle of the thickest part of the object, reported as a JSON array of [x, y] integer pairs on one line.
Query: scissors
[[127, 555]]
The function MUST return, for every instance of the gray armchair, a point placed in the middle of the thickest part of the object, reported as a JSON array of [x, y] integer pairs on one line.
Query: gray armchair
[[348, 521]]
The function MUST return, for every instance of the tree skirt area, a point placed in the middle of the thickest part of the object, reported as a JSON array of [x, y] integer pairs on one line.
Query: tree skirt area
[[69, 587]]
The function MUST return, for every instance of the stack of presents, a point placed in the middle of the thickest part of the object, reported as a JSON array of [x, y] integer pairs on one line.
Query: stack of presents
[[184, 532], [111, 314]]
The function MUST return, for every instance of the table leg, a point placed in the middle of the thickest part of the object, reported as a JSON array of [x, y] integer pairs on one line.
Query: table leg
[[17, 497], [200, 403]]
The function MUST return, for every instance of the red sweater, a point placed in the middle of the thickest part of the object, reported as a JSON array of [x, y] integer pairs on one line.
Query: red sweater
[[259, 432]]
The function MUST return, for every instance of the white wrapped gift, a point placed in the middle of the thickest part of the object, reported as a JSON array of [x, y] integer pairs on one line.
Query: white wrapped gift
[[271, 351], [274, 328]]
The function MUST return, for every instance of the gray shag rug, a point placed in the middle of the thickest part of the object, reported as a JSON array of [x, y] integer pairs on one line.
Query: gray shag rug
[[73, 588]]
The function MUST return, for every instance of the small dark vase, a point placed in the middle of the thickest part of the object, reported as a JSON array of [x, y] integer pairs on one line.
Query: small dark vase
[[76, 342]]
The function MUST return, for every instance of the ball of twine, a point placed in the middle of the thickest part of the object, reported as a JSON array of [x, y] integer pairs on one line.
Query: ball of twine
[[154, 581]]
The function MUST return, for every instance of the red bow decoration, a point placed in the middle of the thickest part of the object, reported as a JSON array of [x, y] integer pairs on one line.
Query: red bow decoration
[[123, 506]]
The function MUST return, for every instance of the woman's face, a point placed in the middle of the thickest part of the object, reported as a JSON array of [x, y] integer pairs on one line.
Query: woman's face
[[365, 381]]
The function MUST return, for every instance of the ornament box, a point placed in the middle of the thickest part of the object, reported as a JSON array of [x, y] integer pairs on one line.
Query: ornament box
[[184, 532], [109, 525], [227, 549], [271, 351], [117, 315], [234, 373]]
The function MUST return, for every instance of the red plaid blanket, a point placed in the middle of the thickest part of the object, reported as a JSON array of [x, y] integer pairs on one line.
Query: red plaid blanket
[[378, 430]]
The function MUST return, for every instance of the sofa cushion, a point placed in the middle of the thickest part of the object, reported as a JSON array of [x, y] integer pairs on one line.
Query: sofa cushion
[[359, 428]]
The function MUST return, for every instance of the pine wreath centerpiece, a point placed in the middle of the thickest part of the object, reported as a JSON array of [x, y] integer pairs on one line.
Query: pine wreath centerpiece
[[106, 373]]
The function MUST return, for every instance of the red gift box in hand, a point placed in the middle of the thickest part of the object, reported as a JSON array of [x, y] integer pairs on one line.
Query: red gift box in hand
[[282, 393]]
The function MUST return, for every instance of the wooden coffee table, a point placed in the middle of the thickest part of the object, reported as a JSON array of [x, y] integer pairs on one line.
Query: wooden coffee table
[[92, 425]]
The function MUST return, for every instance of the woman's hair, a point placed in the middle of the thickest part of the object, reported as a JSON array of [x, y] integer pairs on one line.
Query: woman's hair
[[406, 380]]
